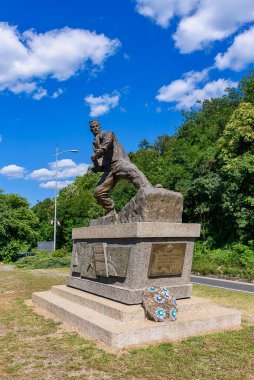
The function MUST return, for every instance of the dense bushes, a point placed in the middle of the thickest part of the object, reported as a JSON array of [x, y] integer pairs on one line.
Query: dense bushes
[[235, 260], [42, 260]]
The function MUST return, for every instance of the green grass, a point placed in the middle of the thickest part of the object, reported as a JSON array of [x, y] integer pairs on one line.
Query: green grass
[[33, 347]]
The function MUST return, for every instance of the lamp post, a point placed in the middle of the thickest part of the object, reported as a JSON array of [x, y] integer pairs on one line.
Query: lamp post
[[56, 155]]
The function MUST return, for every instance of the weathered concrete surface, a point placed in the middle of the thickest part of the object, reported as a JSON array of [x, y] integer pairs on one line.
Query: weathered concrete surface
[[138, 230], [120, 325], [126, 294], [148, 205]]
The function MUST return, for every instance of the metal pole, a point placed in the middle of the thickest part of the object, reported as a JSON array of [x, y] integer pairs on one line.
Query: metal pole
[[55, 200]]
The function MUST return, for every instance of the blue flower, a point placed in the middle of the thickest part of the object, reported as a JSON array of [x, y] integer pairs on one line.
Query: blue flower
[[173, 314], [158, 299], [164, 290], [166, 295], [152, 289], [175, 303], [161, 312]]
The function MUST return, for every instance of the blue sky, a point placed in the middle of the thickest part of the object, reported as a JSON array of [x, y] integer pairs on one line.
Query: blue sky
[[134, 64]]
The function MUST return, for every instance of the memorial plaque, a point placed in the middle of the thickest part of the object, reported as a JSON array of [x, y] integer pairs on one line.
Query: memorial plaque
[[166, 259], [88, 267], [77, 259], [118, 259], [100, 259], [83, 261]]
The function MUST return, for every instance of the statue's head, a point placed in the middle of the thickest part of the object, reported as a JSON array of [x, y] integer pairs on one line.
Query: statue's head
[[95, 126]]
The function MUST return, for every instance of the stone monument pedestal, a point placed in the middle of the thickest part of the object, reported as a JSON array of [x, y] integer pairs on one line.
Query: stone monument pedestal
[[119, 261], [116, 259]]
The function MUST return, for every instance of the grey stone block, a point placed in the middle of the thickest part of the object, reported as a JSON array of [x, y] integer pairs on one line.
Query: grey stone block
[[135, 256], [148, 205], [138, 230]]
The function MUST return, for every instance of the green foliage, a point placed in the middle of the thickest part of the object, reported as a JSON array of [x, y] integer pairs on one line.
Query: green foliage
[[42, 260], [45, 213], [10, 250], [235, 260], [18, 226]]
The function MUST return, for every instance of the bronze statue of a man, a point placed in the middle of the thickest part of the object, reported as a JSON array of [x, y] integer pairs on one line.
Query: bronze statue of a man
[[110, 158]]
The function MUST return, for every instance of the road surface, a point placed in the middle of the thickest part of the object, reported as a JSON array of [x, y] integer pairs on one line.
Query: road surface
[[239, 286]]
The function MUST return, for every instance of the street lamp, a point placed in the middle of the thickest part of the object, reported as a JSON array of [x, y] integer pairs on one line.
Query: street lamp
[[56, 155]]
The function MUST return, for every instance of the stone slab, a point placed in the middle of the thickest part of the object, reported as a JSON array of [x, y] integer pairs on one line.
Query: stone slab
[[138, 230], [122, 294], [102, 305], [200, 318]]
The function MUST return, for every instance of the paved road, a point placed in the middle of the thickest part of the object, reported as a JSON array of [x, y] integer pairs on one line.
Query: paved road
[[245, 287]]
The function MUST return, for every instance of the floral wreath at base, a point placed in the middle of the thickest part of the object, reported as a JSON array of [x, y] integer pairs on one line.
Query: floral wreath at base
[[159, 304]]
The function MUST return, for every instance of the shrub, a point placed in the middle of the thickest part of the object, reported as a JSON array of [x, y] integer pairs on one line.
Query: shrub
[[236, 260], [9, 252], [43, 260]]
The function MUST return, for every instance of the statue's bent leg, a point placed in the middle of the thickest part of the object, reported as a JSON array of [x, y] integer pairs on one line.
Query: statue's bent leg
[[127, 170], [101, 192]]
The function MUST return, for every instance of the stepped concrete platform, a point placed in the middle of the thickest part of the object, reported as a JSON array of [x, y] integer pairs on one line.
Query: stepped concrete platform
[[121, 325]]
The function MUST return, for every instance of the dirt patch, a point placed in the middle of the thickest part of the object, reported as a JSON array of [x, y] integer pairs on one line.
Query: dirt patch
[[6, 268]]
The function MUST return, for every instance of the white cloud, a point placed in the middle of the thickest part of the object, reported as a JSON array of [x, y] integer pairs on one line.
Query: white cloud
[[13, 171], [65, 163], [40, 93], [23, 87], [66, 169], [52, 184], [200, 21], [193, 88], [240, 54], [57, 93], [58, 54], [101, 105], [162, 11]]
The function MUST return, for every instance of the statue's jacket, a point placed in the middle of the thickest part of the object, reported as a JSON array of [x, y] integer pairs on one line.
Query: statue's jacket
[[112, 150]]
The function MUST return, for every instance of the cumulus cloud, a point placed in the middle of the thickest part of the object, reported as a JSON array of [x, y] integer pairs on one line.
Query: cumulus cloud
[[193, 88], [101, 105], [200, 21], [52, 184], [162, 11], [29, 57], [13, 171], [66, 169], [240, 54]]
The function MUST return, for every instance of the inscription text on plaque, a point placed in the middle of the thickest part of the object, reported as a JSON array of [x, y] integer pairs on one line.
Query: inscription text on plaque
[[166, 259]]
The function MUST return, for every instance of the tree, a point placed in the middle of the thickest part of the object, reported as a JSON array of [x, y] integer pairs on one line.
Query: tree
[[236, 152], [45, 213], [18, 226]]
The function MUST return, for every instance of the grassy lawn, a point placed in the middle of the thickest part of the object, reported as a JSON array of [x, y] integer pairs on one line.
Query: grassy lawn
[[36, 348]]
